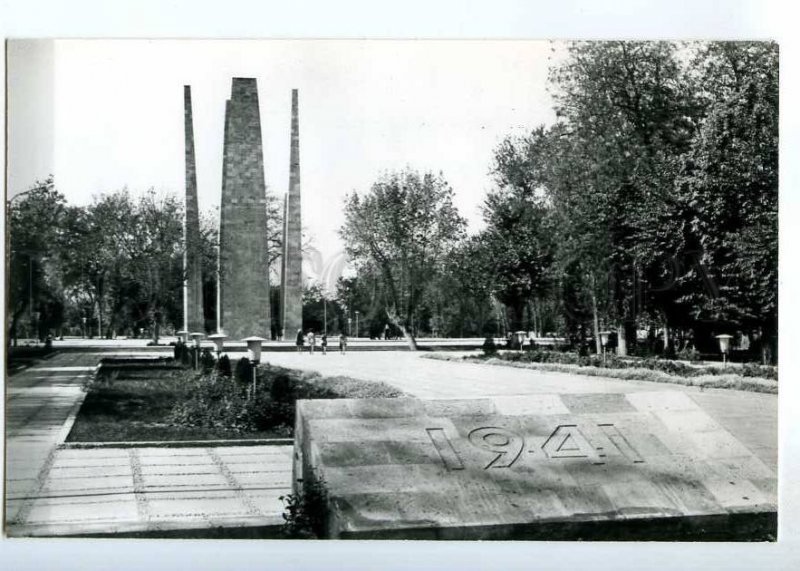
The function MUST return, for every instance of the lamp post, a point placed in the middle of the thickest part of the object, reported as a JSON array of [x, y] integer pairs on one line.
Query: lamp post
[[37, 315], [357, 330], [254, 355], [325, 315], [603, 342], [350, 326], [724, 346], [196, 337], [219, 342], [83, 326]]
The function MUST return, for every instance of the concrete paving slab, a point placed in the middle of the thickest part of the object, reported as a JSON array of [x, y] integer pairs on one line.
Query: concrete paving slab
[[655, 461], [99, 491]]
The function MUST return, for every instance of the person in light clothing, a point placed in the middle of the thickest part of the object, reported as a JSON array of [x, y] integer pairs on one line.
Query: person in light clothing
[[312, 342]]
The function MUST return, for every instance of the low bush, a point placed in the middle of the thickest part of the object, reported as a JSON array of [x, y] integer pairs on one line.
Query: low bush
[[304, 512], [688, 354], [215, 401], [750, 377], [675, 368], [224, 367]]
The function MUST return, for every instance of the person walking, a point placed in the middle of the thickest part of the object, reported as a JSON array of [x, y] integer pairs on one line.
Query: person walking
[[324, 344], [311, 342], [342, 343], [299, 340]]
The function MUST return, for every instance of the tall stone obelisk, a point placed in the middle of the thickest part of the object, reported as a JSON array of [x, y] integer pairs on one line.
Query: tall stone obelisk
[[292, 278], [244, 263], [193, 319]]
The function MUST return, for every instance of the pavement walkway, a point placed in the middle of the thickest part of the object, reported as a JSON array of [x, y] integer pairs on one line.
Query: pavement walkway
[[751, 417], [53, 490]]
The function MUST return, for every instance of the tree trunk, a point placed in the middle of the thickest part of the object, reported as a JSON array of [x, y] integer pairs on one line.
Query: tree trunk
[[596, 325], [622, 345], [408, 334], [409, 337]]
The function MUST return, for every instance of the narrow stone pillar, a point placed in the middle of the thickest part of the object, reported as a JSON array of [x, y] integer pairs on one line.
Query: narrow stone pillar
[[292, 281], [244, 260], [193, 319]]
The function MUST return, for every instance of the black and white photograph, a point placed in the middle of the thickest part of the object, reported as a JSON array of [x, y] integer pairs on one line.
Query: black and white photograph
[[495, 290]]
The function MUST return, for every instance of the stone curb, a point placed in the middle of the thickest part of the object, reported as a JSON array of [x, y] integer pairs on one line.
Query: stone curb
[[178, 444]]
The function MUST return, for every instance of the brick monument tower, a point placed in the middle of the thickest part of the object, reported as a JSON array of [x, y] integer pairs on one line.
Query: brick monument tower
[[193, 319], [244, 263], [292, 274]]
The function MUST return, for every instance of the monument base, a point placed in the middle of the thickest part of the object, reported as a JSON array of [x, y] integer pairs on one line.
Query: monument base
[[640, 466]]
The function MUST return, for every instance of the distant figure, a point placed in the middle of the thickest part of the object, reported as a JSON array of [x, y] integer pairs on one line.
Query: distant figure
[[311, 342], [324, 344], [342, 343], [299, 340], [386, 331]]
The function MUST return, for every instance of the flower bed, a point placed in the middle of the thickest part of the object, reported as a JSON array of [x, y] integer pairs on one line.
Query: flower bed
[[754, 378], [173, 404]]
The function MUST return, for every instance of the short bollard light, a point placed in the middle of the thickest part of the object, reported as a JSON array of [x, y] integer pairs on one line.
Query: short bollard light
[[254, 355], [724, 346], [219, 342], [196, 337], [603, 342]]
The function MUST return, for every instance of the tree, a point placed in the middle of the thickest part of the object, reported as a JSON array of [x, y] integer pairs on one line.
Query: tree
[[729, 191], [33, 233], [627, 115], [403, 229], [518, 234], [154, 248], [462, 297]]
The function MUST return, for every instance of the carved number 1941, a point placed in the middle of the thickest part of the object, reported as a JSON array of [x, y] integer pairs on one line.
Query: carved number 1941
[[566, 441]]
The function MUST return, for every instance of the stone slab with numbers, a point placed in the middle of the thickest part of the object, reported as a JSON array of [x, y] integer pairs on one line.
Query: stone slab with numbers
[[648, 465]]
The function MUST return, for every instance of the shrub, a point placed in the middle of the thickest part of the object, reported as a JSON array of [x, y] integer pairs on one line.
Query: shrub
[[181, 353], [688, 354], [207, 360], [211, 401], [489, 347], [304, 514], [244, 371], [755, 370], [281, 388], [224, 367]]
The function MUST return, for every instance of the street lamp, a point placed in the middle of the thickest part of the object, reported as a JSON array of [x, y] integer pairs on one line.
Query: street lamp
[[325, 315], [724, 346], [357, 330], [603, 342], [219, 342], [196, 337], [37, 316], [83, 327], [254, 355], [350, 326]]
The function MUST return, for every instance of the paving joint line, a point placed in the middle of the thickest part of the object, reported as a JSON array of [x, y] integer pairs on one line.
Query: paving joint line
[[252, 508], [142, 505]]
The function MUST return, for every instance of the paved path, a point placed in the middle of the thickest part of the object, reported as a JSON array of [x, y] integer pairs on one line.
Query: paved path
[[39, 403], [134, 490], [54, 491], [51, 490], [751, 417]]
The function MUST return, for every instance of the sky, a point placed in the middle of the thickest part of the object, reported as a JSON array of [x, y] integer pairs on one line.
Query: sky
[[106, 114]]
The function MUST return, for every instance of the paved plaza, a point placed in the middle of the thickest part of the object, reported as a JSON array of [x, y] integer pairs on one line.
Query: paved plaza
[[52, 489], [751, 417]]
